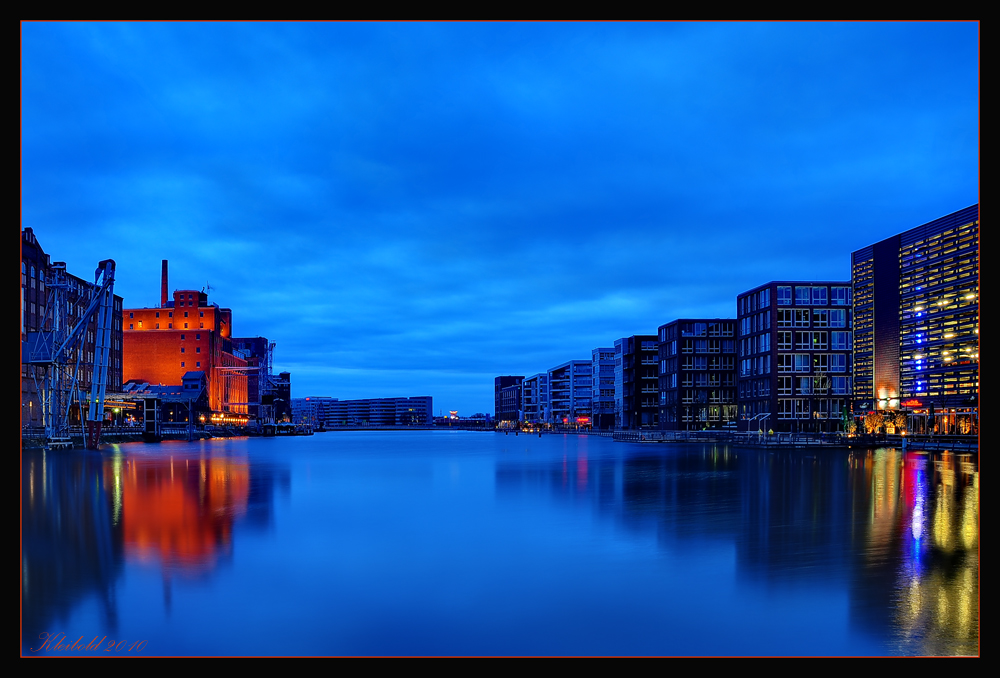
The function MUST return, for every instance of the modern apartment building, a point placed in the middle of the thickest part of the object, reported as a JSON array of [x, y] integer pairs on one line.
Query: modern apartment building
[[636, 382], [603, 387], [794, 356], [697, 375], [570, 395], [916, 335], [507, 404], [535, 398]]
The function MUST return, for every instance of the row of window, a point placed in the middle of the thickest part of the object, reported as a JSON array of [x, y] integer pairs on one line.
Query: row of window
[[814, 295], [812, 362]]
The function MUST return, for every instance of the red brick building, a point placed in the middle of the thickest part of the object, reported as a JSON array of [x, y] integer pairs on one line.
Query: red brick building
[[182, 335]]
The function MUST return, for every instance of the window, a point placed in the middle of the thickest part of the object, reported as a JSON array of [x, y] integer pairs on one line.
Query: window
[[819, 341], [140, 324], [130, 315], [182, 363], [130, 326], [197, 349], [157, 325], [802, 318], [785, 318], [182, 349], [170, 314], [185, 314], [802, 296], [840, 341], [784, 341], [802, 362], [202, 314], [185, 325], [821, 318], [838, 318], [784, 295], [841, 385], [197, 364], [157, 314], [840, 296], [182, 337], [819, 296]]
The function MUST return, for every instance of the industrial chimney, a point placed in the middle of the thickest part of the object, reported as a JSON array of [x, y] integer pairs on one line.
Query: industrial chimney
[[163, 285]]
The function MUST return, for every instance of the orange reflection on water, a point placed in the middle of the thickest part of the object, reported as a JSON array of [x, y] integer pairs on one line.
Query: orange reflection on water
[[180, 512]]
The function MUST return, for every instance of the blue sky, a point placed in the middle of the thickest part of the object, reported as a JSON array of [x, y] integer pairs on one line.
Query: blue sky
[[416, 208]]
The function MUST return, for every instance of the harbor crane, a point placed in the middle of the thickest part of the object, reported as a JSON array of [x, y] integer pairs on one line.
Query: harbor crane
[[60, 350]]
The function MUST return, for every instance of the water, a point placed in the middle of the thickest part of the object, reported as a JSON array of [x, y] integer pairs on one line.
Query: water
[[462, 543]]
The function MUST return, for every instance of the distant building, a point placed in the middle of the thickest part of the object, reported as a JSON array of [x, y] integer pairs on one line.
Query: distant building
[[636, 382], [603, 387], [697, 375], [413, 411], [37, 272], [185, 333], [916, 334], [312, 411], [794, 356], [507, 397]]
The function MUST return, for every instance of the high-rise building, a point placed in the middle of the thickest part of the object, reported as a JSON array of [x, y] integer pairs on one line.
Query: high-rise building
[[916, 334], [794, 356], [697, 376]]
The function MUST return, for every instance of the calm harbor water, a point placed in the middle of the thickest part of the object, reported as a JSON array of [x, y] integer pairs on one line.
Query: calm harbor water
[[461, 543]]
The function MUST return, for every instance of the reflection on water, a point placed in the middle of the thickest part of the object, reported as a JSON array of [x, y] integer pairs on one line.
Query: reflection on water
[[434, 543]]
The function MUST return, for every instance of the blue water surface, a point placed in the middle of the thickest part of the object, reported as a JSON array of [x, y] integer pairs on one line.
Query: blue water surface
[[469, 543]]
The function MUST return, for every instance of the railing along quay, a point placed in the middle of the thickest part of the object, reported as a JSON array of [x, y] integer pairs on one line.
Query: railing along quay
[[803, 440]]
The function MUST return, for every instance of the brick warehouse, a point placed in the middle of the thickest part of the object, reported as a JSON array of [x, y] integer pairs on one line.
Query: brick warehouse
[[185, 334]]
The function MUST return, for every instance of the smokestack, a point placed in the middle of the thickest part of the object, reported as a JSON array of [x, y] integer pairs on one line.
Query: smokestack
[[163, 285]]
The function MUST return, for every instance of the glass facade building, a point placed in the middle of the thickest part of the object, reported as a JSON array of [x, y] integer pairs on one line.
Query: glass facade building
[[916, 300]]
